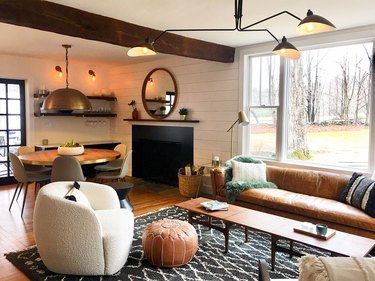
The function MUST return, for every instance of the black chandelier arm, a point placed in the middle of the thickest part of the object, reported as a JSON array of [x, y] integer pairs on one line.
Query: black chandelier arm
[[238, 5], [264, 30], [192, 29], [271, 17]]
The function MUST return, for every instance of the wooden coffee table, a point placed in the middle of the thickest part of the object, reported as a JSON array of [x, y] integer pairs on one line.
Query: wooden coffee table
[[343, 244]]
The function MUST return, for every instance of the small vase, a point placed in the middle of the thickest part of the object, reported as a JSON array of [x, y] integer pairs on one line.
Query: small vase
[[183, 117], [135, 114]]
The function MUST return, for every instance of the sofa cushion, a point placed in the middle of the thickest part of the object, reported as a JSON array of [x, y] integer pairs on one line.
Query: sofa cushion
[[310, 206], [248, 171], [315, 183], [360, 193]]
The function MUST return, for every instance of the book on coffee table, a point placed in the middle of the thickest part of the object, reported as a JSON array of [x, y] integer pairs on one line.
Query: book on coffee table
[[215, 205], [312, 232]]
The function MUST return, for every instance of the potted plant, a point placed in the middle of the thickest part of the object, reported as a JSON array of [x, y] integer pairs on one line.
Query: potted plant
[[135, 111], [183, 113], [162, 109]]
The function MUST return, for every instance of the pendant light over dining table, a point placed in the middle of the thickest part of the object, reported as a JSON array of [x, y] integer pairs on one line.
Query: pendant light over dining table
[[66, 99]]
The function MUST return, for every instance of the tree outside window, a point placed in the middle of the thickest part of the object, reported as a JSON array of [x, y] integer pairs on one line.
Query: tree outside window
[[327, 106]]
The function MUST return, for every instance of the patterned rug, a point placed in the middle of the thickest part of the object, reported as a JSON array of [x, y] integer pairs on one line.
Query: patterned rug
[[209, 263]]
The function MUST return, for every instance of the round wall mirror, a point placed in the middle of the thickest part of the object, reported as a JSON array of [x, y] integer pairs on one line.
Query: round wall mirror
[[159, 93]]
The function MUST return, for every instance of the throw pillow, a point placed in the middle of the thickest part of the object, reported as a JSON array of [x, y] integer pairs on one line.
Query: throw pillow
[[248, 171], [360, 193], [239, 158]]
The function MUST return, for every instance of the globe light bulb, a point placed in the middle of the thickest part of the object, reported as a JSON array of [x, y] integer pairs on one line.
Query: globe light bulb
[[310, 27]]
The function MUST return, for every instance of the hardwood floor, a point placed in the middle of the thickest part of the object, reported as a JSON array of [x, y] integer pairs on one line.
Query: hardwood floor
[[16, 233]]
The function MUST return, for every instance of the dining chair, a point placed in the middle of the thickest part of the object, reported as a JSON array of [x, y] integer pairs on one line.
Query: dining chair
[[24, 178], [66, 168], [116, 175], [114, 164], [22, 150]]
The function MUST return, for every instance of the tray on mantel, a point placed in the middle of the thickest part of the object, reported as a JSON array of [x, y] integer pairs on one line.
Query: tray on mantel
[[330, 232]]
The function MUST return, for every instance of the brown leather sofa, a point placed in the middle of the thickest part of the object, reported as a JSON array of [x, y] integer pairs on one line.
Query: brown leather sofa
[[304, 195]]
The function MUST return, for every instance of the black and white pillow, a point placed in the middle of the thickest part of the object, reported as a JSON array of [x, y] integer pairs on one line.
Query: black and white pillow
[[360, 193]]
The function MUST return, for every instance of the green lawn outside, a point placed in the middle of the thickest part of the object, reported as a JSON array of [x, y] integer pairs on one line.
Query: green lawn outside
[[347, 147]]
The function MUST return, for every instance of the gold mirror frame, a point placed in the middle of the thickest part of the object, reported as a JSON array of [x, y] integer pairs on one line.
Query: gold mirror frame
[[158, 102]]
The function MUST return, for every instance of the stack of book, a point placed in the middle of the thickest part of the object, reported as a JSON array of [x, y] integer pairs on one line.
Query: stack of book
[[215, 205]]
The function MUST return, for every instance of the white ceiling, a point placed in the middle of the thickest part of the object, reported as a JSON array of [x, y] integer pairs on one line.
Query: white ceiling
[[166, 14]]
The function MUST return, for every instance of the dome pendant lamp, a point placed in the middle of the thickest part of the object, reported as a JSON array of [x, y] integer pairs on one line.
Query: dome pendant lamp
[[314, 24], [66, 99], [286, 49], [145, 48]]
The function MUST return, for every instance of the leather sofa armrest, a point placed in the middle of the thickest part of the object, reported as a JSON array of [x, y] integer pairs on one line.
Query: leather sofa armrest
[[217, 181]]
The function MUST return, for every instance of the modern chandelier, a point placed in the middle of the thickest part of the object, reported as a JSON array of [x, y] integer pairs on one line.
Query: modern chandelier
[[310, 24]]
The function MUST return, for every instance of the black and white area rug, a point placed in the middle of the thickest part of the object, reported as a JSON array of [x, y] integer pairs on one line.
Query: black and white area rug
[[209, 263]]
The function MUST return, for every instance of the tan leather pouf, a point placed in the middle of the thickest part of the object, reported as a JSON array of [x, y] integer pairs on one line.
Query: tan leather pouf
[[169, 243]]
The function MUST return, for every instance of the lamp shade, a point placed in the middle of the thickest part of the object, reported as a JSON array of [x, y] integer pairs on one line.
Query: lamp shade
[[287, 50], [314, 24], [66, 99], [144, 48], [242, 119]]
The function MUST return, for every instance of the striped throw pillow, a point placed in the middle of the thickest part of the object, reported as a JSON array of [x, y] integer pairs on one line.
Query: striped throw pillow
[[360, 193]]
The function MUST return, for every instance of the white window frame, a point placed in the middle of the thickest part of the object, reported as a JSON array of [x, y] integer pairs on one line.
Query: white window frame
[[328, 39]]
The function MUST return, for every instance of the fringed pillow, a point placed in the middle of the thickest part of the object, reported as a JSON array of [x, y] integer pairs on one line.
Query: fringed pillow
[[360, 193]]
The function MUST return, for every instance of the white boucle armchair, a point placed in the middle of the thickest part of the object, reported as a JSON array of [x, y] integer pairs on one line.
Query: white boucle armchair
[[92, 236]]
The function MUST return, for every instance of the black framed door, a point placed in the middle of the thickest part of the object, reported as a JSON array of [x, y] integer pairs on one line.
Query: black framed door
[[12, 124]]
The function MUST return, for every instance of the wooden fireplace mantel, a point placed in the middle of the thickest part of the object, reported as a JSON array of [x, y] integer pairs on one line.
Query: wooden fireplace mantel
[[162, 120]]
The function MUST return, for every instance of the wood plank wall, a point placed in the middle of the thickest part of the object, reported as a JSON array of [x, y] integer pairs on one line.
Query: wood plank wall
[[210, 91]]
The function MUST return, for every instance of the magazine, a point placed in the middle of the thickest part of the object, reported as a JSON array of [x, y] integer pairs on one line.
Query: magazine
[[215, 205]]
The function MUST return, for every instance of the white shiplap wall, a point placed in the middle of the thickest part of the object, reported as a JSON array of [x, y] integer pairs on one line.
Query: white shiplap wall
[[210, 90]]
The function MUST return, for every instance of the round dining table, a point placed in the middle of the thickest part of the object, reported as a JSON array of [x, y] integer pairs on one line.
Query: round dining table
[[89, 156]]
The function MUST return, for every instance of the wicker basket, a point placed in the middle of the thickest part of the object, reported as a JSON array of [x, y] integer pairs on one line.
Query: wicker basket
[[189, 185]]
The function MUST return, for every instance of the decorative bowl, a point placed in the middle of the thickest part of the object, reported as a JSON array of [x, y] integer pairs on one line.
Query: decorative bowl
[[62, 150]]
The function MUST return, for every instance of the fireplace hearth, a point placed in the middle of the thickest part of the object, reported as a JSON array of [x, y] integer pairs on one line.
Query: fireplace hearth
[[159, 151]]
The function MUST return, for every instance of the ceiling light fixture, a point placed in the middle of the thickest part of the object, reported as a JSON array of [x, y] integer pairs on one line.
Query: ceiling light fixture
[[144, 48], [151, 81], [92, 73], [59, 70], [310, 24], [66, 99]]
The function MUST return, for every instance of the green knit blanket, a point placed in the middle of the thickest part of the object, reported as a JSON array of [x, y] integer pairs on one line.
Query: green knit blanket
[[232, 189]]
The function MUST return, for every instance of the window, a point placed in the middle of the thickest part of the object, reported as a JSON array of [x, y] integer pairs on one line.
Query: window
[[264, 104], [326, 113], [12, 123]]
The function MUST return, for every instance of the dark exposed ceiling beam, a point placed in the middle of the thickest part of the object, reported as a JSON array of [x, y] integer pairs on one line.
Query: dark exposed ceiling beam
[[52, 17]]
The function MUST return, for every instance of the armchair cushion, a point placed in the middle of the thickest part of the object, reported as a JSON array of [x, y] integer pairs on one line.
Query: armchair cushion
[[336, 268], [79, 197]]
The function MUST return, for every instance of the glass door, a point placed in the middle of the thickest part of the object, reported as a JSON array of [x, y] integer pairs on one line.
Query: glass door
[[12, 124]]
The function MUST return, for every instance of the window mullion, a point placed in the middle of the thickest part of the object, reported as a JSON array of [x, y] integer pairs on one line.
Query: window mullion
[[281, 135], [371, 165]]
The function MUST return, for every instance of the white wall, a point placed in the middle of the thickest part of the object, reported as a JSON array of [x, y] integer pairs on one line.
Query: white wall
[[208, 89], [38, 72]]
